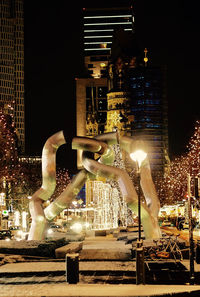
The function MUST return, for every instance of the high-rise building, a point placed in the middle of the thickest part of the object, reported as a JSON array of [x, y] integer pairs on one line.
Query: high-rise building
[[99, 25], [136, 101], [133, 99], [12, 63], [148, 104], [91, 107]]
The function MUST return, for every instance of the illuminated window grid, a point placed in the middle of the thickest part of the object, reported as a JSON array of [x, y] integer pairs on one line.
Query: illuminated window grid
[[12, 66], [100, 27]]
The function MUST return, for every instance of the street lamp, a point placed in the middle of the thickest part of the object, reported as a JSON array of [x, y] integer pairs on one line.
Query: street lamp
[[191, 250], [139, 156]]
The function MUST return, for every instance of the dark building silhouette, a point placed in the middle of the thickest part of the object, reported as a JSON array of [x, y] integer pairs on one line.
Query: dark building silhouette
[[130, 95]]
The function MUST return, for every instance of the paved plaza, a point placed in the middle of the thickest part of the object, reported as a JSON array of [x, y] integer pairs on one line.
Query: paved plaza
[[105, 269]]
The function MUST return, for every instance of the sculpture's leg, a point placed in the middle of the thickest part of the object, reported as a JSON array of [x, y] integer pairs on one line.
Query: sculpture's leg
[[66, 197], [148, 188], [147, 185], [130, 145], [48, 185], [38, 219], [150, 194]]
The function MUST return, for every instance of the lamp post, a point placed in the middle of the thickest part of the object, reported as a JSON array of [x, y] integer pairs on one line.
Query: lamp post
[[139, 156], [191, 254]]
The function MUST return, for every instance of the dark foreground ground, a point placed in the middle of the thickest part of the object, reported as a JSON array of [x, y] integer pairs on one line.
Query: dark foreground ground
[[106, 268]]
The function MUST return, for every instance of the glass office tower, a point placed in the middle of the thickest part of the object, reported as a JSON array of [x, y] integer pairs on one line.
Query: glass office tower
[[99, 25], [12, 63], [148, 104]]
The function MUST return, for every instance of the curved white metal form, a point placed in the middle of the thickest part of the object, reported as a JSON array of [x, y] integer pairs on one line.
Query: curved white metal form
[[129, 144], [149, 221], [48, 185], [103, 167], [149, 189], [63, 201]]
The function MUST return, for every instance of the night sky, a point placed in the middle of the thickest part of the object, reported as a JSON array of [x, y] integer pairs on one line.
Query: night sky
[[53, 59]]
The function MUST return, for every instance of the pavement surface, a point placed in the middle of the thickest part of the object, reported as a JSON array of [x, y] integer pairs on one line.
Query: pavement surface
[[107, 276], [58, 290], [184, 234]]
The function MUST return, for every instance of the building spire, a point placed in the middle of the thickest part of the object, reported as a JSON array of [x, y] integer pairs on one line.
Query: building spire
[[145, 56]]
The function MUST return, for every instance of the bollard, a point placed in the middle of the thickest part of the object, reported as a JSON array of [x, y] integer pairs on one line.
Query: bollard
[[139, 243], [198, 252], [133, 251], [72, 268], [140, 267]]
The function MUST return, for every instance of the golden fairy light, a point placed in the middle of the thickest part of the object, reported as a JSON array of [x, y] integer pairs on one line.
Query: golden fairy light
[[173, 186]]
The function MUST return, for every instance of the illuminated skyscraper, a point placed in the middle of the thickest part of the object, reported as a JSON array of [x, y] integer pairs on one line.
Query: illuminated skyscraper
[[99, 25], [122, 90], [148, 104], [12, 63]]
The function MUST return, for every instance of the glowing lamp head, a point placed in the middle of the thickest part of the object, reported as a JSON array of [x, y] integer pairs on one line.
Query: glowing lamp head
[[74, 203], [138, 156], [87, 225], [77, 227], [49, 231]]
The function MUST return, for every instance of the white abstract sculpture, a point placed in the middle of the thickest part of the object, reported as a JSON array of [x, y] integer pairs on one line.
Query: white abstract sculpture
[[103, 167]]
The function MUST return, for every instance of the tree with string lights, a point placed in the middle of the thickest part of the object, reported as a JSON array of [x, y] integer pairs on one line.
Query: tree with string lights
[[62, 180], [12, 175], [119, 163], [20, 179], [8, 140], [173, 186], [194, 152]]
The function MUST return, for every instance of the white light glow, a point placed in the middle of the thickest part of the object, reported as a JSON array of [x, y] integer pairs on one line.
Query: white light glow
[[97, 49], [74, 203], [104, 24], [2, 199], [107, 16], [87, 225], [96, 30], [49, 231], [138, 156], [77, 227], [24, 224], [97, 42], [107, 206], [19, 233], [16, 218], [102, 36]]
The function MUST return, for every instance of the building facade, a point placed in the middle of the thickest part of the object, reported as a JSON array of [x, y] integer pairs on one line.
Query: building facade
[[134, 96], [148, 104], [12, 64], [91, 107], [99, 25]]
